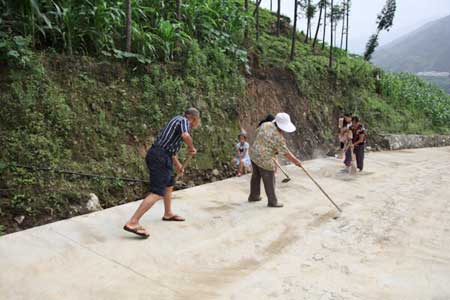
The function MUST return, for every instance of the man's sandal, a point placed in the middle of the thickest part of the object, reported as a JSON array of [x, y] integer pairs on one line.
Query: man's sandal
[[174, 218], [140, 231]]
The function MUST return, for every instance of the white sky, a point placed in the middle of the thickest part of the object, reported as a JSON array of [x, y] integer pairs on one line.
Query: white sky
[[410, 15]]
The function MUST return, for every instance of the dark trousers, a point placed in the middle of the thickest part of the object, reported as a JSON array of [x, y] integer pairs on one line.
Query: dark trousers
[[159, 164], [359, 153], [268, 178], [348, 157]]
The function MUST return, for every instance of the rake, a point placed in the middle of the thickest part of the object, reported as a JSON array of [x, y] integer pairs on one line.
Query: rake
[[322, 190], [287, 179]]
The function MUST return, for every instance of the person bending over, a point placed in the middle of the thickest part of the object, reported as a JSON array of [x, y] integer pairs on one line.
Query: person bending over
[[269, 141], [160, 159]]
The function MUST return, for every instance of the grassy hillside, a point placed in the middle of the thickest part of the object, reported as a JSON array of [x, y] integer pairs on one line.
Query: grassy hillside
[[92, 108]]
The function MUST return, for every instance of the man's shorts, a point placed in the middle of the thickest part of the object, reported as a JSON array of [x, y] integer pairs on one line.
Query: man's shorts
[[160, 166]]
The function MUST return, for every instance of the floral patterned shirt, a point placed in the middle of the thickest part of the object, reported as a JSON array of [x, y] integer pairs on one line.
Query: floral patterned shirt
[[268, 142]]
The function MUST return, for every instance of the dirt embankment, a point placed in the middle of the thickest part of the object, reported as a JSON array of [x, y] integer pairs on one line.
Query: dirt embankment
[[275, 90]]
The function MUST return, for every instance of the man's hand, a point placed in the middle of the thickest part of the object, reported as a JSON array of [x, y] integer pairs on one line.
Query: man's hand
[[192, 151], [180, 169], [188, 140], [293, 159]]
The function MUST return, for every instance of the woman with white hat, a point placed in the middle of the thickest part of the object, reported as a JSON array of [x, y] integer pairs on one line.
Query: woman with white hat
[[268, 142]]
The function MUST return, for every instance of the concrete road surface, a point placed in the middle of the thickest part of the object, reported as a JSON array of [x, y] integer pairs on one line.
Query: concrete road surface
[[391, 242]]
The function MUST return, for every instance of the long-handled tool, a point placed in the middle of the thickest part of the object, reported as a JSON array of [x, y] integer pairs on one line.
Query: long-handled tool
[[185, 164], [287, 179], [321, 189], [353, 166]]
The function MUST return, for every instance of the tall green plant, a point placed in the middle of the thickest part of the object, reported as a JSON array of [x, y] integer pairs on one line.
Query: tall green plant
[[385, 20]]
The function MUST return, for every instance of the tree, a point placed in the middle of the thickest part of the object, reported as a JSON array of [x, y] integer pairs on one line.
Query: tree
[[256, 14], [324, 23], [385, 20], [337, 16], [257, 19], [178, 9], [278, 18], [310, 12], [330, 62], [347, 13], [343, 24], [308, 20], [321, 5], [128, 26], [342, 17], [246, 24], [294, 30]]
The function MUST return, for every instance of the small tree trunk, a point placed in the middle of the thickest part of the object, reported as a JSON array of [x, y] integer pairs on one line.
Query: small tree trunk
[[330, 63], [278, 18], [128, 26], [342, 33], [307, 31], [318, 27], [179, 3], [324, 26], [270, 5], [257, 22], [246, 25], [294, 31], [347, 29], [308, 21]]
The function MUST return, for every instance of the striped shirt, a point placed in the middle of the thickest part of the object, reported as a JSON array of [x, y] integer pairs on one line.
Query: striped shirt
[[169, 138]]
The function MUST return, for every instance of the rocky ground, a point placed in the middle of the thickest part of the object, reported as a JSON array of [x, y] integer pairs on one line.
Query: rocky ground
[[391, 242]]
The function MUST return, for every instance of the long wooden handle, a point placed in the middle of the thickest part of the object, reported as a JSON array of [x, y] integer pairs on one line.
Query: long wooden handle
[[278, 165], [187, 161], [185, 164], [321, 189]]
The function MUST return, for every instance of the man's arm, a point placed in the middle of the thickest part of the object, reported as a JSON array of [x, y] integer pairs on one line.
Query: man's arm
[[189, 142], [291, 157], [177, 164], [282, 147], [362, 136]]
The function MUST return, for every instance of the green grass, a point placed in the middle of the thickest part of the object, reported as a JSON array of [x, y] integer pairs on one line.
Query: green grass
[[69, 116]]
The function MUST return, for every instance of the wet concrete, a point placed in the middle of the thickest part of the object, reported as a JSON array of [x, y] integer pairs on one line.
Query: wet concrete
[[391, 242]]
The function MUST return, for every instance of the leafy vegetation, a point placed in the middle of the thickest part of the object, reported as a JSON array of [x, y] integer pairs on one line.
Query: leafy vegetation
[[421, 98], [96, 27]]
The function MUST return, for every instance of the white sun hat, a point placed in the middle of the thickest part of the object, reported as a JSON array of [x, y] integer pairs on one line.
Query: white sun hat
[[284, 122]]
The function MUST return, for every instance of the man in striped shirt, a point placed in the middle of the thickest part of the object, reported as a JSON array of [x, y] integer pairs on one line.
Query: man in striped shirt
[[160, 159]]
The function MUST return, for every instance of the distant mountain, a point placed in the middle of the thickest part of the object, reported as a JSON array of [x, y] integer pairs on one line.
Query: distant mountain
[[423, 50]]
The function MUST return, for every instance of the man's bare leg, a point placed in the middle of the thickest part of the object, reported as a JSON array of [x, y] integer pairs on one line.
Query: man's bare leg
[[145, 205], [168, 205], [168, 202]]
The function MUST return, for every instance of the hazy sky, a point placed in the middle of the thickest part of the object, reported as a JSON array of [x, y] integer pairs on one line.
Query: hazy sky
[[410, 15]]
